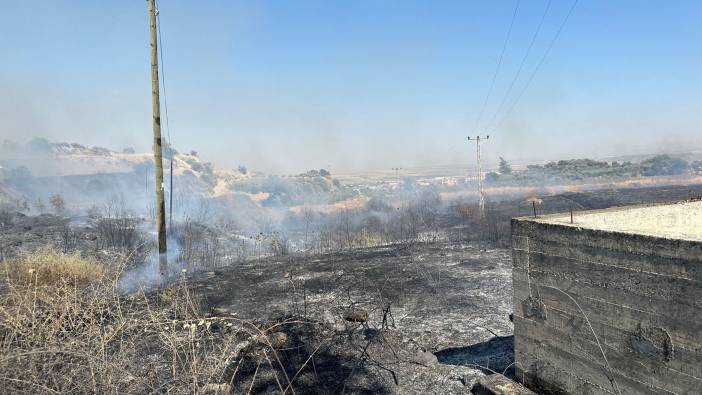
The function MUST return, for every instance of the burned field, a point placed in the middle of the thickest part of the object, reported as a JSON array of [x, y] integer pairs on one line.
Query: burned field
[[403, 316], [422, 318], [408, 318], [419, 318]]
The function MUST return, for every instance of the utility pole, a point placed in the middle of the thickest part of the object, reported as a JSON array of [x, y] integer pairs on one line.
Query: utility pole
[[158, 149], [481, 194]]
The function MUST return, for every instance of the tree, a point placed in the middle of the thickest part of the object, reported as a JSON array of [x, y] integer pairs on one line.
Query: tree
[[505, 167], [664, 165], [57, 203]]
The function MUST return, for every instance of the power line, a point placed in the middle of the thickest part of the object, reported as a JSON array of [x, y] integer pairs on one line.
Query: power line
[[163, 72], [165, 110], [538, 65], [499, 65], [521, 64]]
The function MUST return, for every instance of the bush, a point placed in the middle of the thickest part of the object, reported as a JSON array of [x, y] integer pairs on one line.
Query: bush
[[197, 244], [118, 232]]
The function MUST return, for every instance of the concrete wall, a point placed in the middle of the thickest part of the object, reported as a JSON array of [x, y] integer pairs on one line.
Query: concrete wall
[[641, 294]]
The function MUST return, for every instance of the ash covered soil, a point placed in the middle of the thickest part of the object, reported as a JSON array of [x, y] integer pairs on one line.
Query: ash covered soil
[[408, 319]]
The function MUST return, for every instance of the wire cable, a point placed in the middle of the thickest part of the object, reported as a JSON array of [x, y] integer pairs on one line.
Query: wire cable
[[163, 73], [165, 110], [497, 69], [538, 65], [521, 64]]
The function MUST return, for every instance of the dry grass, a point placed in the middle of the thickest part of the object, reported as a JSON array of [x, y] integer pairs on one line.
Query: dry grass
[[65, 328], [52, 268]]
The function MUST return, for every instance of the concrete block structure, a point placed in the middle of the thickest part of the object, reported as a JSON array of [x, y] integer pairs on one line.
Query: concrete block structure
[[610, 303]]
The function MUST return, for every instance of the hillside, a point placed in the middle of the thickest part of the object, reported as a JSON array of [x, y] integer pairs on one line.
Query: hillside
[[84, 175]]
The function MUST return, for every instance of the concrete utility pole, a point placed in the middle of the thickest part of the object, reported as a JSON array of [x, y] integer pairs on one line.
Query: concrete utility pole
[[158, 149], [481, 194]]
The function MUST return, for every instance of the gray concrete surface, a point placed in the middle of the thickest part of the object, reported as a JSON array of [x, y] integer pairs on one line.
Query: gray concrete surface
[[611, 303], [675, 220]]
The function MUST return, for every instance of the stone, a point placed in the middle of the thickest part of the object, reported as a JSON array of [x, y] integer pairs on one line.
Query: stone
[[425, 358], [278, 339], [497, 384], [356, 315], [215, 389]]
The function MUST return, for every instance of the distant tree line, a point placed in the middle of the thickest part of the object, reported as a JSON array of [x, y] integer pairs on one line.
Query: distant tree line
[[584, 169]]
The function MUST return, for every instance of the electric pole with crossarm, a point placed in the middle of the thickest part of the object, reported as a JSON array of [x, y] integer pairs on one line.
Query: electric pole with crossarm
[[481, 194]]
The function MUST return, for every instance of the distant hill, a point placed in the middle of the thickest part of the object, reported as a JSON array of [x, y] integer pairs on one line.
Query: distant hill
[[45, 158], [86, 175]]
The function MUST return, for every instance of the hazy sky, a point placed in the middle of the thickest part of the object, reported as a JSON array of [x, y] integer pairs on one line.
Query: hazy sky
[[287, 85]]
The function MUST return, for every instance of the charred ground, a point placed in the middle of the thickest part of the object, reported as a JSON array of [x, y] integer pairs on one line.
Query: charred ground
[[412, 314], [390, 311]]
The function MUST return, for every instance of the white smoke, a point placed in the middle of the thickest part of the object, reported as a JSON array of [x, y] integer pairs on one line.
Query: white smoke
[[147, 275]]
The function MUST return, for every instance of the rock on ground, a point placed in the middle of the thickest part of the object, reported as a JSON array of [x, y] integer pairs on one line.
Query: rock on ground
[[497, 384]]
